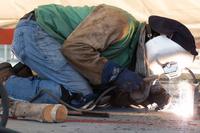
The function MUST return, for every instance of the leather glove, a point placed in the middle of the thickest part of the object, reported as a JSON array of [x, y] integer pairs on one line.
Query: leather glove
[[124, 79], [159, 96], [141, 94], [128, 81], [136, 96]]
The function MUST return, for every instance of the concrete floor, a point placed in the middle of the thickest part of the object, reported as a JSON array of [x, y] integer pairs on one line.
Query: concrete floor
[[155, 122]]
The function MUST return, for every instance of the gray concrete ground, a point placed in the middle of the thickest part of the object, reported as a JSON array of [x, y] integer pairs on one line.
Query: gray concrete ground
[[158, 122]]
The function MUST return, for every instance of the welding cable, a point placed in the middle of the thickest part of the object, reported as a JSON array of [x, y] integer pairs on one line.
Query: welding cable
[[92, 106], [84, 112]]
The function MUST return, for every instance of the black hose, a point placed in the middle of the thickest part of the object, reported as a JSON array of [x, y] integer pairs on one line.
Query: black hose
[[92, 106], [100, 96]]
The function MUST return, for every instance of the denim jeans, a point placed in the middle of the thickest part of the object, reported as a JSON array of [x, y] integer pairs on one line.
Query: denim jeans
[[35, 48]]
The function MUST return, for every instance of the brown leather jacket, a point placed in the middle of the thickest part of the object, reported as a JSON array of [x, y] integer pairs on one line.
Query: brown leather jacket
[[102, 28]]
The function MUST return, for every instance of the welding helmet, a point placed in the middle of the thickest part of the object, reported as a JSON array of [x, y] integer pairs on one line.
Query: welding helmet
[[165, 56], [165, 46]]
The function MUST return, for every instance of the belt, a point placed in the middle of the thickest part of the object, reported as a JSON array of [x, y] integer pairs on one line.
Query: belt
[[30, 16]]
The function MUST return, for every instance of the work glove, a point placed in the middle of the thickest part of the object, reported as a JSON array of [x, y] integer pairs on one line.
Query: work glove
[[137, 96], [151, 92], [123, 78], [159, 96], [128, 80], [141, 94], [82, 102]]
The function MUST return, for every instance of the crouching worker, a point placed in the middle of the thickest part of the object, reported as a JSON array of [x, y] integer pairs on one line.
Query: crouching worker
[[73, 49]]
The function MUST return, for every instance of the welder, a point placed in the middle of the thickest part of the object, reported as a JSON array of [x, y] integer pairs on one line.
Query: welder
[[75, 50]]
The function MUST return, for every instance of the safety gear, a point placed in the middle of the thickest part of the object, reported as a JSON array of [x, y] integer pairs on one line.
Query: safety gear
[[128, 80], [177, 32], [173, 29], [123, 78], [165, 56], [150, 92], [135, 97], [82, 102], [88, 48], [77, 100], [159, 96]]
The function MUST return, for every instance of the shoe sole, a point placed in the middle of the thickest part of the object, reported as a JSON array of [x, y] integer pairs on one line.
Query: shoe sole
[[5, 65], [5, 71]]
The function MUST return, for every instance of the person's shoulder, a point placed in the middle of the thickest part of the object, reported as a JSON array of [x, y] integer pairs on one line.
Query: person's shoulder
[[108, 7], [110, 11], [48, 6]]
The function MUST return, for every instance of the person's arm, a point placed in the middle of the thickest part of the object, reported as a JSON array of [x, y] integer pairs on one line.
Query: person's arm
[[104, 26]]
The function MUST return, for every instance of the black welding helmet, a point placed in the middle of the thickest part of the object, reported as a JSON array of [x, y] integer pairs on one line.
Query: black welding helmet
[[172, 50], [177, 32]]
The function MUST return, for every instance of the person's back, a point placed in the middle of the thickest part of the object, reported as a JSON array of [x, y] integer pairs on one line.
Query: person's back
[[59, 21]]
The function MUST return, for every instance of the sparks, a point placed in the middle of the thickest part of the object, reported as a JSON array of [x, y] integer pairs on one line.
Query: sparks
[[184, 106]]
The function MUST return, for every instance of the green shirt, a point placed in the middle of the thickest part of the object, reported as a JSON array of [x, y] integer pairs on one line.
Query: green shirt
[[59, 21]]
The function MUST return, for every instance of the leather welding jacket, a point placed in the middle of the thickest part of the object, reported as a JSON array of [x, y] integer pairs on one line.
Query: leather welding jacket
[[106, 33]]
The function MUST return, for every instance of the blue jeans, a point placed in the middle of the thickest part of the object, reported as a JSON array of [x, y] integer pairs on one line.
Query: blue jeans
[[35, 48]]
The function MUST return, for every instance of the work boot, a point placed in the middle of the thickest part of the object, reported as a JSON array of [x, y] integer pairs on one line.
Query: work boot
[[22, 70], [82, 102], [77, 100], [159, 96], [5, 71]]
